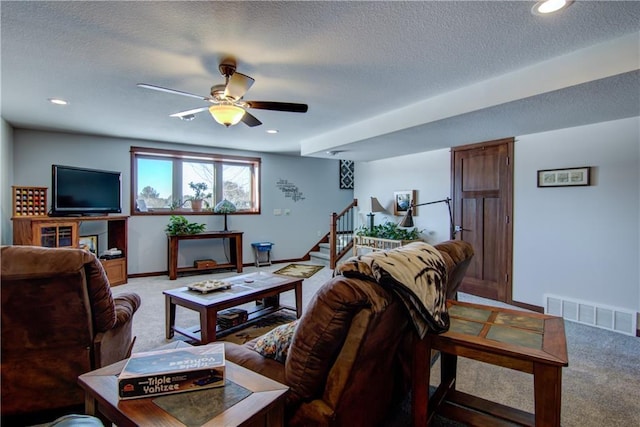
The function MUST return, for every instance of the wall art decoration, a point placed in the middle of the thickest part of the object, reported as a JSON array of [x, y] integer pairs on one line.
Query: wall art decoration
[[89, 243], [402, 201], [570, 177], [347, 174], [290, 190]]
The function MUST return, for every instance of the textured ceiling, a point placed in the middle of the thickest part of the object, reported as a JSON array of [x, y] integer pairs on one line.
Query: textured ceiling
[[381, 78]]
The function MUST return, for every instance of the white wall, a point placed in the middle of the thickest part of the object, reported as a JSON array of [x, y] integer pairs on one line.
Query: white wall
[[577, 242], [6, 174], [34, 152], [428, 173]]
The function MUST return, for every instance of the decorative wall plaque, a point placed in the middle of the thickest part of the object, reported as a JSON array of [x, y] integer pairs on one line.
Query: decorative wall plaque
[[346, 174], [290, 190]]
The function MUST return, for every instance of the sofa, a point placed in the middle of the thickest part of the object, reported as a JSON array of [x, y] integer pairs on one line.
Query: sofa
[[59, 320], [349, 359]]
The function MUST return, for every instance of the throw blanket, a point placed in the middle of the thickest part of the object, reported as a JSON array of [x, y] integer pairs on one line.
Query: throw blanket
[[416, 273]]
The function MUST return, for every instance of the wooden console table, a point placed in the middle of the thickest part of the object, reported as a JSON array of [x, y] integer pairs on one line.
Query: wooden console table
[[235, 249]]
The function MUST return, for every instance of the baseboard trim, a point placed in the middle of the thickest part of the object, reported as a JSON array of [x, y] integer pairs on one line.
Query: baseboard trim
[[150, 274], [527, 306]]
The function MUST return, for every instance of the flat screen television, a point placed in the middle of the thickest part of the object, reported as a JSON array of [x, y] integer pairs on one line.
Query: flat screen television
[[81, 191]]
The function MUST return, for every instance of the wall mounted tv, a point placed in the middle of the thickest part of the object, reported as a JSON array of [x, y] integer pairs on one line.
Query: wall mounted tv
[[81, 191]]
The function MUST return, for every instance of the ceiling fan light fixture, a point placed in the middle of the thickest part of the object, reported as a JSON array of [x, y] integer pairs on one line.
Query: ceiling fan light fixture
[[226, 114]]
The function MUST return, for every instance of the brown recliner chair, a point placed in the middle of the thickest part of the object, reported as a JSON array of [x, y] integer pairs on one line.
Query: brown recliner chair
[[59, 320], [350, 356]]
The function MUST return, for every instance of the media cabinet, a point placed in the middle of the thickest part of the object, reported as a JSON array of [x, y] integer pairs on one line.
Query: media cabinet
[[61, 232]]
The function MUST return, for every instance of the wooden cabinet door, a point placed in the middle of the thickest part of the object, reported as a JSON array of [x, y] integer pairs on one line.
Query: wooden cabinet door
[[116, 270], [55, 234]]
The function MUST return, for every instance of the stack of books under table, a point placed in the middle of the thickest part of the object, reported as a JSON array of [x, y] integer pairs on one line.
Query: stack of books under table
[[232, 317]]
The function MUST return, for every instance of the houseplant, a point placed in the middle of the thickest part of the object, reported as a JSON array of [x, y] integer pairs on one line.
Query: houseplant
[[389, 230], [199, 189], [180, 225]]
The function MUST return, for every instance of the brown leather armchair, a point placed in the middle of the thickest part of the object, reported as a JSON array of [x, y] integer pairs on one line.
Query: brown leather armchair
[[350, 357], [59, 320]]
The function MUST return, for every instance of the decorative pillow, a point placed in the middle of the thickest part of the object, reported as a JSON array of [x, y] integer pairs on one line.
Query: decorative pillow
[[275, 343]]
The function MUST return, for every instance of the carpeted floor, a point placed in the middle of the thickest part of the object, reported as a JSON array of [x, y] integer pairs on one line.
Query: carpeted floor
[[600, 385]]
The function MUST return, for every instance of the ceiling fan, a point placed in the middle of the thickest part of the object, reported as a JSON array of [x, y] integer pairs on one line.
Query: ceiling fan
[[228, 108]]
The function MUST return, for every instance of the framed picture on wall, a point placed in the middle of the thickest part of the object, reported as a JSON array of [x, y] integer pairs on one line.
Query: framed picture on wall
[[89, 243], [564, 177], [402, 201]]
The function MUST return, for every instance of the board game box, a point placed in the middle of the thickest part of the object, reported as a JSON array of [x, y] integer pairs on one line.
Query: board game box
[[175, 370]]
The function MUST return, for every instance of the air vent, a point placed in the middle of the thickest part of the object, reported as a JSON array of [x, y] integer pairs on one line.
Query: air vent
[[612, 318]]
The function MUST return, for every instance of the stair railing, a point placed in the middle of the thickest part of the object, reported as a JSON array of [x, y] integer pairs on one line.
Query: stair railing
[[341, 231]]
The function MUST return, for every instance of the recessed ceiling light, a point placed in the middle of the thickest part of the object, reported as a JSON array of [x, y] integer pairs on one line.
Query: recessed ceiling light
[[58, 101], [546, 7], [272, 131]]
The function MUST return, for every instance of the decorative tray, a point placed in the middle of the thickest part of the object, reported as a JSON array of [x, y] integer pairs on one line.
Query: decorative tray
[[209, 286]]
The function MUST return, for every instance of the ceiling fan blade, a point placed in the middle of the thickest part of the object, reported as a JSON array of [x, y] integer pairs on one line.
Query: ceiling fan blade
[[237, 86], [278, 106], [250, 120], [173, 91], [188, 112]]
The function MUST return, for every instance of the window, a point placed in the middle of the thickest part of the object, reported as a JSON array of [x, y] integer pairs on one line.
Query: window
[[165, 181]]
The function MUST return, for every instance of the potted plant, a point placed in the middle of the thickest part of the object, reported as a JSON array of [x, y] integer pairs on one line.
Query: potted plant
[[200, 189], [180, 225], [389, 230]]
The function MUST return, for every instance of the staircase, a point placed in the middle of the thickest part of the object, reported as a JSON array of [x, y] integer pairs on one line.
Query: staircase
[[337, 244], [322, 256]]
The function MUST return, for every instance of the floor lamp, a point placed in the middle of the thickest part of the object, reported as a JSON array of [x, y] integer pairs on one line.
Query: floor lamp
[[375, 207], [407, 221]]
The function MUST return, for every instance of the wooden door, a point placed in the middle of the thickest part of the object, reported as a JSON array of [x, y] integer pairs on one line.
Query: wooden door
[[482, 202]]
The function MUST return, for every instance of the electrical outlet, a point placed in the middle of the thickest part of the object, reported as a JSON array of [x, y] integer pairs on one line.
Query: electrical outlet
[[277, 212]]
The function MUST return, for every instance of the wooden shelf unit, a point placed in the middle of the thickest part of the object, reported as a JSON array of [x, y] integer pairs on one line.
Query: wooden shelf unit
[[29, 201], [60, 232]]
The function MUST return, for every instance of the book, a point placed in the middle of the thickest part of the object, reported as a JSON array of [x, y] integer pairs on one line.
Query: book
[[232, 317], [176, 370]]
